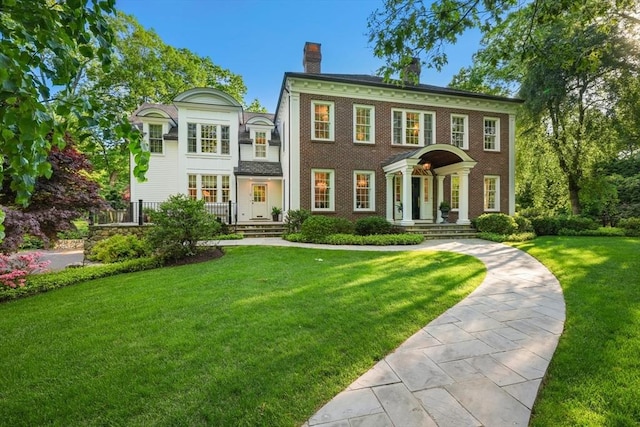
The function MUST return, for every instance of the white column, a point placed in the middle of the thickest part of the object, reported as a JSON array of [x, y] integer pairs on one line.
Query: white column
[[512, 164], [294, 151], [463, 209], [440, 179], [406, 197], [389, 197]]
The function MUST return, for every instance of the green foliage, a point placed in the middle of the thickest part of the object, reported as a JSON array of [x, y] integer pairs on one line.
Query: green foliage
[[551, 225], [30, 242], [498, 223], [294, 220], [317, 227], [545, 225], [39, 283], [119, 248], [232, 236], [599, 232], [294, 237], [374, 239], [523, 223], [372, 225], [515, 237], [179, 224], [631, 226]]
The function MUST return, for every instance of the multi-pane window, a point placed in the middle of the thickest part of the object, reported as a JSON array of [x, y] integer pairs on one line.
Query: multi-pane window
[[491, 193], [208, 138], [225, 188], [155, 138], [363, 190], [491, 134], [426, 189], [209, 188], [322, 127], [459, 134], [193, 187], [261, 145], [409, 128], [192, 138], [429, 129], [322, 189], [363, 126], [455, 192], [225, 140]]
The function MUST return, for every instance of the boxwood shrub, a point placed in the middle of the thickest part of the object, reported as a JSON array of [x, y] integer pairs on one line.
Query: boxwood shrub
[[372, 225], [317, 227], [119, 248], [497, 223], [631, 226]]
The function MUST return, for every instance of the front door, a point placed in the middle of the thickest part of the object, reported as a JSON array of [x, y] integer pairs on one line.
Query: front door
[[415, 197], [259, 201]]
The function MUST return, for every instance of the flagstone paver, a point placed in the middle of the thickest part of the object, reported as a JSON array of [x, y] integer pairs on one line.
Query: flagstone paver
[[480, 363]]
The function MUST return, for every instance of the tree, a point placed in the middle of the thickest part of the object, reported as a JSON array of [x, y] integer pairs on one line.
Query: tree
[[56, 201], [562, 55], [256, 107], [143, 69], [43, 45]]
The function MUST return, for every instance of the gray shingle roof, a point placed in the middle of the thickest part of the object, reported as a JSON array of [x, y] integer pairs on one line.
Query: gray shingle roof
[[258, 168]]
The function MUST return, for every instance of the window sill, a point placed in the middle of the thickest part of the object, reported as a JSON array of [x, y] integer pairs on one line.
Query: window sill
[[208, 155], [323, 141]]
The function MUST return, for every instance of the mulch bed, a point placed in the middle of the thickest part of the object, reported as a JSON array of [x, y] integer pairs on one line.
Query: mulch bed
[[204, 254]]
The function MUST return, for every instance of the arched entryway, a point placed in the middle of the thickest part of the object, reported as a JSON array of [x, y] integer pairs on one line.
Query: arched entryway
[[415, 183]]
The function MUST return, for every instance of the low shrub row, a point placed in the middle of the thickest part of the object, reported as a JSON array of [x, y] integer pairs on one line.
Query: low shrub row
[[353, 239], [44, 282]]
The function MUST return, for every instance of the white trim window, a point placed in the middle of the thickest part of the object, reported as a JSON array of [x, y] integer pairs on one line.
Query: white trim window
[[407, 127], [207, 138], [156, 144], [364, 190], [455, 192], [322, 189], [364, 124], [429, 128], [460, 131], [491, 193], [260, 145], [210, 188], [322, 120], [491, 133], [192, 186]]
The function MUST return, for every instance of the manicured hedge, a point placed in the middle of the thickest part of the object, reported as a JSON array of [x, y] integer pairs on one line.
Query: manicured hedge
[[352, 239], [38, 283], [497, 223]]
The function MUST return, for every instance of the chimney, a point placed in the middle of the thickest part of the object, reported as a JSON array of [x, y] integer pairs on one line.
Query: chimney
[[311, 58], [411, 73]]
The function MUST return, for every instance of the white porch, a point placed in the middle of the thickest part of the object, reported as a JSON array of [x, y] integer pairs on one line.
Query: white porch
[[415, 184]]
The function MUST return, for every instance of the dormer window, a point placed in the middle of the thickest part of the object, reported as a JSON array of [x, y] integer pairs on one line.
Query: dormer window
[[155, 139], [208, 138], [260, 147]]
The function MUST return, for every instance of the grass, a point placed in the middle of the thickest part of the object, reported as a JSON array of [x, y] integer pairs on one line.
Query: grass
[[262, 336], [594, 376]]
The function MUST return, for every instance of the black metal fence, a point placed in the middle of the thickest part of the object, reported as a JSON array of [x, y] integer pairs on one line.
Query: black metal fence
[[138, 213]]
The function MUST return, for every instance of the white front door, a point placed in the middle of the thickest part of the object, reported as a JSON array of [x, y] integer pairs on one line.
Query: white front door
[[426, 207], [259, 201]]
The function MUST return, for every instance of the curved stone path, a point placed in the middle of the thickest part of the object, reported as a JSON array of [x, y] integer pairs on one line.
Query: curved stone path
[[480, 363]]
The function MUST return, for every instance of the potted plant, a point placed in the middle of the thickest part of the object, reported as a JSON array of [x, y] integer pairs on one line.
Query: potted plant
[[445, 207], [275, 213]]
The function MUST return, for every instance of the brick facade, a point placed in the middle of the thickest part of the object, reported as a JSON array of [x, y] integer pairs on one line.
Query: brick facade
[[344, 156]]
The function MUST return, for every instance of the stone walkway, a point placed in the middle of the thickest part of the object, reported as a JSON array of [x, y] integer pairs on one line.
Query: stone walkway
[[480, 363]]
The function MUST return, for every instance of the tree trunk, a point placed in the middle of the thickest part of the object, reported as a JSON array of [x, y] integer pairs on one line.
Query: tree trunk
[[574, 190]]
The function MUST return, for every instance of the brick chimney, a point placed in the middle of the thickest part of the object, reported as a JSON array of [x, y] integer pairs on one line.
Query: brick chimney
[[411, 73], [311, 58]]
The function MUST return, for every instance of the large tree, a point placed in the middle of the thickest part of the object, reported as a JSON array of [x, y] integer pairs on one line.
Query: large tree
[[560, 56], [43, 46]]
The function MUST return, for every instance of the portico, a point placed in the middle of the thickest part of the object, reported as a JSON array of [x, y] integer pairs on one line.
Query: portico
[[415, 184]]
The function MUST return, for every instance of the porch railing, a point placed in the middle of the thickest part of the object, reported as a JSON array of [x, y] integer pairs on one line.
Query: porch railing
[[137, 213]]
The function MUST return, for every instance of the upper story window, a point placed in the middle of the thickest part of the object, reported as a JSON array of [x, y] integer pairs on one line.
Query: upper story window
[[491, 134], [413, 128], [208, 138], [323, 115], [155, 138], [363, 124], [460, 131], [260, 146]]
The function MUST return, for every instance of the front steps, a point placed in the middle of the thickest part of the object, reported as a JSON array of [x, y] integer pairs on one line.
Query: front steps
[[260, 229], [443, 231]]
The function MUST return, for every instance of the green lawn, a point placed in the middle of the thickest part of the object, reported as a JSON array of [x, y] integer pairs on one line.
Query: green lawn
[[262, 336], [594, 377]]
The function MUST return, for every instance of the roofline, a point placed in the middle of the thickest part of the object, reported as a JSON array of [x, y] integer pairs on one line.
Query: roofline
[[417, 88]]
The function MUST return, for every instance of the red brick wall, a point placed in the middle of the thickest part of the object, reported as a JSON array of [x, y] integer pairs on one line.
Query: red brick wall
[[343, 156]]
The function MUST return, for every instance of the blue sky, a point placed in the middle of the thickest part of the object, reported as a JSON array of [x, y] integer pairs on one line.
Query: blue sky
[[262, 39]]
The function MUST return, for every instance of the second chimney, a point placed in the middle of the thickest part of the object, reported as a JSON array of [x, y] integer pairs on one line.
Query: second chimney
[[311, 58], [411, 73]]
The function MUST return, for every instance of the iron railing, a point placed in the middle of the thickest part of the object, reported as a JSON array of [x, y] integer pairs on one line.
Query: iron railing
[[137, 213]]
